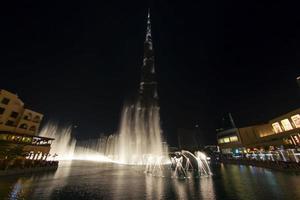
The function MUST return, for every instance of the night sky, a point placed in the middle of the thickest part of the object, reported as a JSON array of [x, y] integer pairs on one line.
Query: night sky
[[78, 61]]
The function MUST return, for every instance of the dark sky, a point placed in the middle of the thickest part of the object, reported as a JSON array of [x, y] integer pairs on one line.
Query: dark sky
[[77, 61]]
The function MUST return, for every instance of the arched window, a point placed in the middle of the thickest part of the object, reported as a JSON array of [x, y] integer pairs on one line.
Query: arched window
[[23, 126], [36, 119], [28, 116], [32, 128]]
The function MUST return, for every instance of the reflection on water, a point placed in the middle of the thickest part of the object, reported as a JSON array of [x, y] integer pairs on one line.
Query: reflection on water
[[154, 187], [89, 180]]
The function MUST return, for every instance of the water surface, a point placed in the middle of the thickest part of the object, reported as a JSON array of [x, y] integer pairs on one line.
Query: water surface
[[91, 180]]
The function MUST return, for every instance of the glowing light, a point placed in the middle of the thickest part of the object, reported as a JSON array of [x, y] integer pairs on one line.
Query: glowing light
[[277, 128], [226, 140], [233, 139], [296, 120], [286, 124]]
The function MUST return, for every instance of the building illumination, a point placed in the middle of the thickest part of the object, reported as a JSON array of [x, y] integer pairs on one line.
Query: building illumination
[[286, 125], [296, 120], [233, 139], [226, 140], [277, 128]]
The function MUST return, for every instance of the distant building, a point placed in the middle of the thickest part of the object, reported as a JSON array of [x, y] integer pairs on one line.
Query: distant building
[[191, 139], [282, 132], [19, 126]]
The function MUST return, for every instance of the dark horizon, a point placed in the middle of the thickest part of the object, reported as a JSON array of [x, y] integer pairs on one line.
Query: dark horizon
[[78, 62]]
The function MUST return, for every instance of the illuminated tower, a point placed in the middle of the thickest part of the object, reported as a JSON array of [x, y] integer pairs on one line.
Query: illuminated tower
[[140, 131], [148, 84]]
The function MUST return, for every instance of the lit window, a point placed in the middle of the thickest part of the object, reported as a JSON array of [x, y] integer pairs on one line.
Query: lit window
[[277, 128], [233, 139], [226, 140], [221, 141], [286, 124], [3, 136], [296, 120]]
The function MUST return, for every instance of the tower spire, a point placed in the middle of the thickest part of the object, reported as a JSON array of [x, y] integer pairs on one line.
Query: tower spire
[[148, 33], [148, 85]]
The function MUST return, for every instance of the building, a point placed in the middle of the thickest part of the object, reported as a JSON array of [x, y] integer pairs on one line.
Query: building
[[19, 126], [148, 84], [15, 118], [280, 133]]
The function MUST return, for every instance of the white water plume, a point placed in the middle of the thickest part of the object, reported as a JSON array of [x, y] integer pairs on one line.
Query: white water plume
[[64, 145], [140, 135]]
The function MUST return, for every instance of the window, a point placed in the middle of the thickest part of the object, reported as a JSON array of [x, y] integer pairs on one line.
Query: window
[[233, 139], [286, 124], [26, 139], [23, 126], [296, 120], [9, 123], [36, 119], [1, 110], [14, 114], [3, 136], [277, 128], [5, 101], [226, 140], [221, 141], [28, 116]]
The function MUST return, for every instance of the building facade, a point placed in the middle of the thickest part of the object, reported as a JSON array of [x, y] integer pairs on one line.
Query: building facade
[[19, 126], [15, 118], [279, 134]]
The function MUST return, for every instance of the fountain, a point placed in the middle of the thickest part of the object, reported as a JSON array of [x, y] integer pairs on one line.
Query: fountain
[[64, 145], [183, 165], [139, 140], [140, 134]]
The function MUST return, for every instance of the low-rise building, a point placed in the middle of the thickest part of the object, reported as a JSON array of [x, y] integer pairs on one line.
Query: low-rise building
[[19, 126], [15, 118], [282, 132]]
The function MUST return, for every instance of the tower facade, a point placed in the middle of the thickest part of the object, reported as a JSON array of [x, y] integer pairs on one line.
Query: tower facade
[[148, 84], [140, 132]]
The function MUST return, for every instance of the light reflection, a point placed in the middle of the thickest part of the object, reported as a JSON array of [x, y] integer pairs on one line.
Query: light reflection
[[155, 187], [180, 188], [108, 181], [207, 190]]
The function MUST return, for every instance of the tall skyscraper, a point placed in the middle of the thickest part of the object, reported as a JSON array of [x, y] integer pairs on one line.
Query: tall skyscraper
[[140, 132], [148, 84]]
